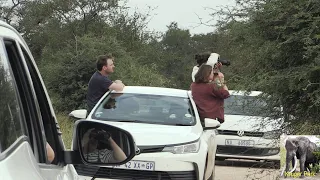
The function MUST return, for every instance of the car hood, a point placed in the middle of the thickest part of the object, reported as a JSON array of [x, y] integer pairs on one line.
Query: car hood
[[250, 123], [154, 134]]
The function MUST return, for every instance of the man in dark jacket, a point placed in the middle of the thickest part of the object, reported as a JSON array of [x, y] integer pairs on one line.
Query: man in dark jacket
[[100, 83]]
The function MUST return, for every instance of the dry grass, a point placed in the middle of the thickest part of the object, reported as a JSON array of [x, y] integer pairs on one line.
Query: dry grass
[[66, 125]]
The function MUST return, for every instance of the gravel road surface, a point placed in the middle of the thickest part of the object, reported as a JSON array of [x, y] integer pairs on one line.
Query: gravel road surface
[[246, 170]]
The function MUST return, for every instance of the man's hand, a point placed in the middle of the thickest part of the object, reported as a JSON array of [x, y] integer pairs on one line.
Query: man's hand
[[117, 85], [220, 75], [118, 81]]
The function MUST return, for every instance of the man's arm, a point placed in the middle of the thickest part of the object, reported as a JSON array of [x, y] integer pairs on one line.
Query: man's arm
[[50, 152], [220, 92], [117, 151], [117, 86]]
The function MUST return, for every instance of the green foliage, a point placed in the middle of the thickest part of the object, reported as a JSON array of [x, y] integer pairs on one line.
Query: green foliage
[[273, 46], [69, 69], [315, 169], [276, 49], [316, 154]]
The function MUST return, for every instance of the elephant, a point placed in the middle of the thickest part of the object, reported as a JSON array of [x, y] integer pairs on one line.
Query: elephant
[[300, 148]]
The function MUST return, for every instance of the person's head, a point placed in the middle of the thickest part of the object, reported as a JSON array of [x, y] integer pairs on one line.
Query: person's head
[[105, 64], [204, 74], [202, 58], [89, 144]]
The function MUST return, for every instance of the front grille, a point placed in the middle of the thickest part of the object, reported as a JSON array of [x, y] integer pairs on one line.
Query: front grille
[[246, 151], [150, 149], [125, 174], [246, 133]]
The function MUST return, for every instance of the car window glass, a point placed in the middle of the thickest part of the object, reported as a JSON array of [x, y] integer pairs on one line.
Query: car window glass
[[244, 105], [49, 124], [27, 97], [11, 113], [145, 108]]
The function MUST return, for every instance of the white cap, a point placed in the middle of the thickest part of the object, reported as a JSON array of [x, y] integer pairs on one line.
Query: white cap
[[213, 59]]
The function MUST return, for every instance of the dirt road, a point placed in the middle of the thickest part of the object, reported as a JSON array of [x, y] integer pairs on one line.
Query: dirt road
[[245, 170]]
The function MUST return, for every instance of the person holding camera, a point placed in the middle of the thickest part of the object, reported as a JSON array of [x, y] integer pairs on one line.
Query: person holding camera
[[90, 142], [209, 91], [212, 59]]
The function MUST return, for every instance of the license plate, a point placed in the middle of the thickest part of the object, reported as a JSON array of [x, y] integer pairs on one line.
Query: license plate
[[236, 142], [138, 165]]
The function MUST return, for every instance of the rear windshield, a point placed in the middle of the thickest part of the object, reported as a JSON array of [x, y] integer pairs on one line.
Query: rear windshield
[[145, 108], [245, 105]]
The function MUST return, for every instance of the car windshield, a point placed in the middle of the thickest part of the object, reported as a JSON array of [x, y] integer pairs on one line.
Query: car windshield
[[244, 105], [146, 108]]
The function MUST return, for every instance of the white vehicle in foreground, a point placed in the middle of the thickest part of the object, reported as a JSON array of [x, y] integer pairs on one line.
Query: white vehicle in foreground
[[246, 133], [28, 123], [166, 127]]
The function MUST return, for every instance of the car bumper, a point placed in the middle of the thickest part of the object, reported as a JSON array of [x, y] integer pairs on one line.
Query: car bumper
[[167, 166], [263, 149]]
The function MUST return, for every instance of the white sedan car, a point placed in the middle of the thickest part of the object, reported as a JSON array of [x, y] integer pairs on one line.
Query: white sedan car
[[247, 132], [166, 127]]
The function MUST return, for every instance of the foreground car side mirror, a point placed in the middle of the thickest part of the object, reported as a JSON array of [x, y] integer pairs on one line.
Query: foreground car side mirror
[[78, 114], [99, 144], [211, 124]]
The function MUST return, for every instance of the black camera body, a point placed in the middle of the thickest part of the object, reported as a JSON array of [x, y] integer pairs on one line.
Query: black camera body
[[100, 135], [203, 58], [224, 62]]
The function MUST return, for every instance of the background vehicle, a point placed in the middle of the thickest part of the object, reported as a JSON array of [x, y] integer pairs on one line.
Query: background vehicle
[[167, 129], [247, 133], [28, 122]]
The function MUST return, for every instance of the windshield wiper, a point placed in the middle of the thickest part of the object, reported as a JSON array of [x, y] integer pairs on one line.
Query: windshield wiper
[[179, 124], [160, 123], [137, 121]]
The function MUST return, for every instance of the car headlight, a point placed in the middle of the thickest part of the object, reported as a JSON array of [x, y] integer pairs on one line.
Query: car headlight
[[275, 134], [182, 149]]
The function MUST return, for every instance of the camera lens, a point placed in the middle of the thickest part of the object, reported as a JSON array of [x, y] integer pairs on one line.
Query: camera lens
[[224, 62]]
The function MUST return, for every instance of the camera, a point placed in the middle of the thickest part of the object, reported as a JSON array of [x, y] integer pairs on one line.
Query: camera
[[211, 59], [99, 135], [224, 62]]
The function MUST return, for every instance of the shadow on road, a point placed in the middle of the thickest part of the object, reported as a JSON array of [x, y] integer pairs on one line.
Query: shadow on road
[[249, 164]]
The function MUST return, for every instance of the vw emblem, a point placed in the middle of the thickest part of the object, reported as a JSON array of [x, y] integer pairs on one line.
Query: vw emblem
[[138, 151], [240, 133]]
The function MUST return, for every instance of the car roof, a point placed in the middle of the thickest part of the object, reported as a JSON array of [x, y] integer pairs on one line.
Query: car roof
[[247, 93], [155, 91], [7, 30]]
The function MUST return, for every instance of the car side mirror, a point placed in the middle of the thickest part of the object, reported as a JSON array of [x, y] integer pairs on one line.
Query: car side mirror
[[99, 144], [78, 114], [211, 124]]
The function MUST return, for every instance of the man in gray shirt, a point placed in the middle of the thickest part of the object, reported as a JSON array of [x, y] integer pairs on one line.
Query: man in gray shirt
[[100, 83]]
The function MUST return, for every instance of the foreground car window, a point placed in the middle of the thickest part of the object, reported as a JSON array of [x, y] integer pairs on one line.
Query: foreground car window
[[245, 105], [142, 108], [11, 115]]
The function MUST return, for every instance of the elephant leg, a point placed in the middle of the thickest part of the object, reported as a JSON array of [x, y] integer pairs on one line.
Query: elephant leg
[[302, 165], [289, 158]]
